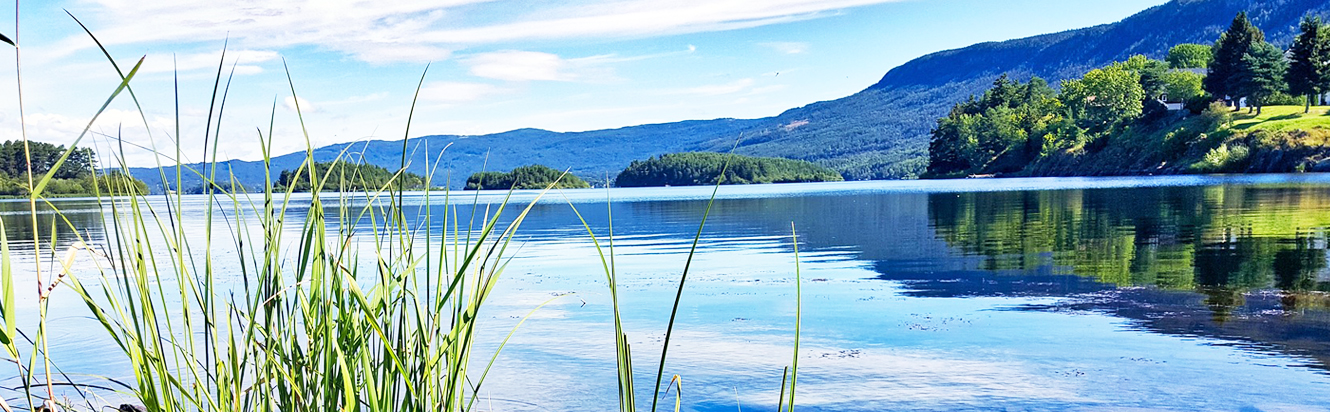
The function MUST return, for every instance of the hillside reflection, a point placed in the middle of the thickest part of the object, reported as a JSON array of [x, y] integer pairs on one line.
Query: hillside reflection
[[1214, 240], [1245, 263]]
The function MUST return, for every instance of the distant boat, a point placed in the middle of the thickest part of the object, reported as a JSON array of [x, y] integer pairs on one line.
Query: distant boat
[[987, 176]]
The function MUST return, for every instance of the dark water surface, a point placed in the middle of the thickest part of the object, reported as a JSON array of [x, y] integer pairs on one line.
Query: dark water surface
[[1173, 293]]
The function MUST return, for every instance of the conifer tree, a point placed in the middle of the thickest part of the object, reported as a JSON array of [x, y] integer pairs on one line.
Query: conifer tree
[[1308, 66], [1232, 46], [1261, 74]]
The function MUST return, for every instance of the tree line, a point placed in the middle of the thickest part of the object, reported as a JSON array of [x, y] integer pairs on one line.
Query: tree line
[[1013, 123], [74, 177], [525, 177], [704, 168], [341, 175]]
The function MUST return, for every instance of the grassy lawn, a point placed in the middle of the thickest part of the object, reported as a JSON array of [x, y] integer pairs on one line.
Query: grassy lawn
[[1277, 118]]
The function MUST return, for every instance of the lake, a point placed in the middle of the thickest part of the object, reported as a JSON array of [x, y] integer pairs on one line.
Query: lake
[[1086, 294]]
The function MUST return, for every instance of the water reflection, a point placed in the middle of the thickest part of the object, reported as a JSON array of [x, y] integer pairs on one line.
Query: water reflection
[[1232, 262], [85, 215], [1148, 272]]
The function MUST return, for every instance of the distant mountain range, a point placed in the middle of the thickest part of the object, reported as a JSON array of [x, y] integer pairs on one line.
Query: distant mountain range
[[878, 133]]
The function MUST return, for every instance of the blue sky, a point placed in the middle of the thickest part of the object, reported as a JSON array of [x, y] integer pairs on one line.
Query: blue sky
[[563, 65]]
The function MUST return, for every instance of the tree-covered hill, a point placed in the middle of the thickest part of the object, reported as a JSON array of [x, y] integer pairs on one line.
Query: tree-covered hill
[[1111, 121], [703, 168], [524, 178], [878, 133], [882, 132], [344, 176]]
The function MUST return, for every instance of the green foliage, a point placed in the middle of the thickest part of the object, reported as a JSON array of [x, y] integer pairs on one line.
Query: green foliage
[[344, 176], [119, 183], [1229, 51], [1216, 116], [74, 178], [703, 168], [1283, 99], [14, 161], [1224, 158], [1011, 120], [1261, 75], [1183, 86], [1309, 60], [1189, 56], [1116, 110], [1013, 124], [526, 178], [1104, 97], [1153, 74]]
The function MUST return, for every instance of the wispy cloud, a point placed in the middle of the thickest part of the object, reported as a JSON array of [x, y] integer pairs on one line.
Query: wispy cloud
[[787, 47], [515, 65], [304, 105], [245, 61], [421, 30], [457, 92]]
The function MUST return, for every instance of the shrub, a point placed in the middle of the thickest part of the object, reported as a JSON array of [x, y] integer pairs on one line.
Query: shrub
[[1223, 158], [1215, 116], [1198, 104], [1284, 99]]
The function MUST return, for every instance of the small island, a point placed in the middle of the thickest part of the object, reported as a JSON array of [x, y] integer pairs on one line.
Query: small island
[[346, 177], [702, 168], [526, 177]]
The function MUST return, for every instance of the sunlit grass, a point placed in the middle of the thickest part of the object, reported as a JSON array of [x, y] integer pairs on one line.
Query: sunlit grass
[[1279, 118]]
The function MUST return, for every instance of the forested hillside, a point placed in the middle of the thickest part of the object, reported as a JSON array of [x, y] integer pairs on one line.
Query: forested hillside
[[694, 169], [533, 177], [1112, 121], [879, 133], [344, 176]]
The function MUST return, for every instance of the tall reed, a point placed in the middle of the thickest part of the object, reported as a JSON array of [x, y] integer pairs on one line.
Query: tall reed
[[369, 309]]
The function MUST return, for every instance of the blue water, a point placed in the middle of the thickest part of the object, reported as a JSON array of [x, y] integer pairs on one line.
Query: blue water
[[1086, 294]]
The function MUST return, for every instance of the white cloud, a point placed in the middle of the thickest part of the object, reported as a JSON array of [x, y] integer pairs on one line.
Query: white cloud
[[457, 92], [514, 65], [112, 124], [423, 30], [244, 61], [787, 47], [517, 65], [305, 106]]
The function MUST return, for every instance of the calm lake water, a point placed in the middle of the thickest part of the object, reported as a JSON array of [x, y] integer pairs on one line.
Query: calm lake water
[[1114, 294]]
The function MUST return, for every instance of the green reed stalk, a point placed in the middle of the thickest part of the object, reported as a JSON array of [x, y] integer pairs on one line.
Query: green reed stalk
[[319, 329], [367, 317]]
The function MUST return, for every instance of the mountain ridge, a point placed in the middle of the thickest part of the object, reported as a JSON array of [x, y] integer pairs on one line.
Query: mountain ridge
[[880, 132]]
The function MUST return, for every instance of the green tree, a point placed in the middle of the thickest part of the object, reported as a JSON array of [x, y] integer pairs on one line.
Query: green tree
[[14, 158], [1104, 98], [1000, 131], [1229, 51], [1308, 67], [1152, 72], [1180, 86], [525, 177], [1189, 56], [1261, 74], [342, 175], [703, 168]]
